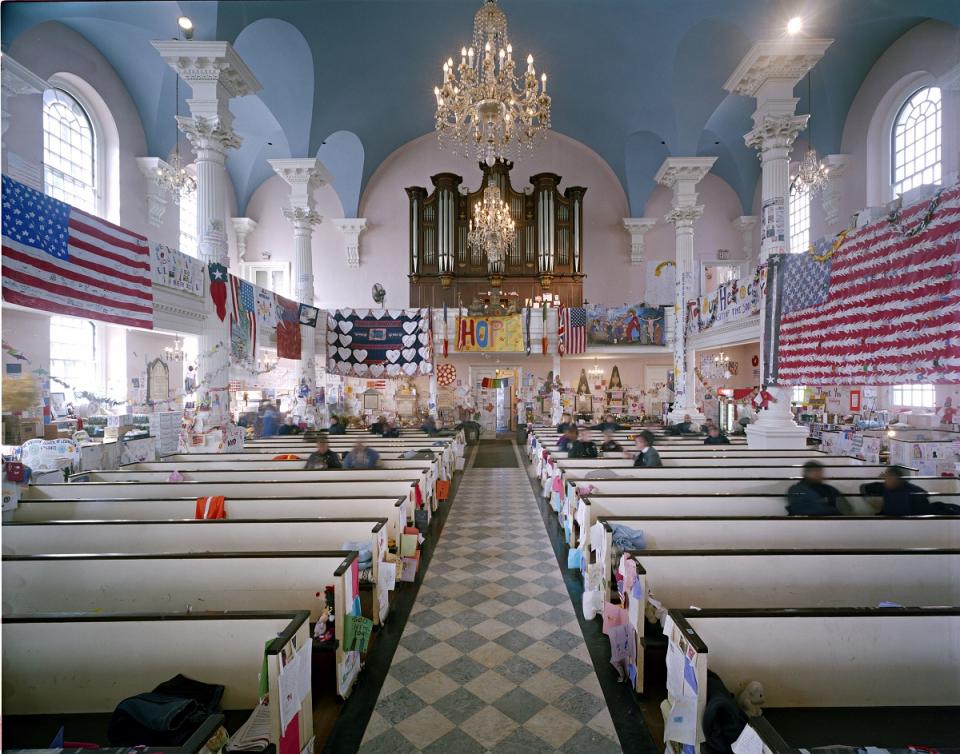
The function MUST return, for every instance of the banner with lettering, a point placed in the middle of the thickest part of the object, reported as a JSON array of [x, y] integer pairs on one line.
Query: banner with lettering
[[490, 333], [731, 302]]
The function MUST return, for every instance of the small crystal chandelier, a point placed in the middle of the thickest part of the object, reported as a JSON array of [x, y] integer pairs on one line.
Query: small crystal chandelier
[[812, 175], [175, 352], [481, 105], [492, 229], [173, 176], [596, 373]]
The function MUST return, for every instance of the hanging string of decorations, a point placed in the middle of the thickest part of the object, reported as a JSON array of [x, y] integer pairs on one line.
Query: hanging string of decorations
[[894, 218], [822, 256]]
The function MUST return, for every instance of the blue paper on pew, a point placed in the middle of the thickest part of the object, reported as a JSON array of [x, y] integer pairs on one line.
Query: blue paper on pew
[[636, 592], [555, 501], [57, 742], [632, 673], [688, 749], [690, 676], [356, 610], [573, 558]]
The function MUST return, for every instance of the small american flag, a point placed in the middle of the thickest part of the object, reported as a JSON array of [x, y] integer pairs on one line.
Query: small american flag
[[884, 309], [242, 306], [572, 329], [59, 259]]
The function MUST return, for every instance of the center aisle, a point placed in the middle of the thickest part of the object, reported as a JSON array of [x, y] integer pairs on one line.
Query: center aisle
[[492, 657]]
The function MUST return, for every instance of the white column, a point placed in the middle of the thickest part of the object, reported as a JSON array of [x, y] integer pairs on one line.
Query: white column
[[351, 227], [15, 80], [745, 225], [833, 191], [637, 227], [769, 72], [682, 174], [949, 84], [215, 74], [304, 176], [156, 197], [242, 227]]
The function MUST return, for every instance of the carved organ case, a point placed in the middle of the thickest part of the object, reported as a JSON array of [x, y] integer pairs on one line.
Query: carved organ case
[[546, 254]]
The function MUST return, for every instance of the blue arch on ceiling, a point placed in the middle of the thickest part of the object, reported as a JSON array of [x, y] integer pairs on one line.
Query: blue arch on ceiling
[[342, 155], [644, 154]]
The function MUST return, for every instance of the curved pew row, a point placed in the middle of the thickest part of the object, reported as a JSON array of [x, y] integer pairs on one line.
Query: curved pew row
[[73, 670], [218, 535], [184, 581], [882, 677]]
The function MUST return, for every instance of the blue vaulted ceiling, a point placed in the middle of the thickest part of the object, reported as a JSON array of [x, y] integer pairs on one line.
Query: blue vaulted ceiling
[[351, 80]]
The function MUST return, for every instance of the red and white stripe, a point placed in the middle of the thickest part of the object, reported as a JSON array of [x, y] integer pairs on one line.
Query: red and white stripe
[[892, 313], [562, 322], [107, 275]]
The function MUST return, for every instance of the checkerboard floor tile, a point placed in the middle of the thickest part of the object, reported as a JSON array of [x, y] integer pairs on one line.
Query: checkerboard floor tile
[[492, 658]]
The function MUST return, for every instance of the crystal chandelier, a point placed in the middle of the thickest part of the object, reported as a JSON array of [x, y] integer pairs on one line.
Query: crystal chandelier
[[492, 229], [173, 176], [481, 104], [175, 352], [812, 175]]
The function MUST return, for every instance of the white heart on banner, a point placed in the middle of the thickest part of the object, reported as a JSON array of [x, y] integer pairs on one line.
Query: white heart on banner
[[345, 325], [331, 365], [346, 340], [346, 312], [424, 338], [410, 369], [410, 327], [395, 313], [424, 324], [392, 356], [377, 369], [409, 354], [344, 367], [344, 353], [393, 370], [424, 352], [331, 337], [360, 354], [426, 367], [409, 340], [363, 313], [360, 369]]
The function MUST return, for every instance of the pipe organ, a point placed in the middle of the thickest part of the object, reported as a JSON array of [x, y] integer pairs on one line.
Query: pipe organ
[[546, 254]]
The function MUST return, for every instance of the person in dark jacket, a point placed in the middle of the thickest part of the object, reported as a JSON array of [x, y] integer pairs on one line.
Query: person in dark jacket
[[377, 427], [900, 497], [609, 445], [607, 423], [429, 426], [361, 457], [289, 427], [338, 426], [715, 436], [811, 496], [390, 429], [647, 455], [569, 437], [583, 446], [565, 424], [682, 428], [323, 457]]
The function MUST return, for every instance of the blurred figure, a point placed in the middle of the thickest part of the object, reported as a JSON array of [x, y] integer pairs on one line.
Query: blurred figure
[[811, 496], [647, 456], [681, 428], [609, 445], [289, 427], [900, 497], [269, 420], [568, 438], [323, 457], [377, 427], [565, 424], [361, 457], [583, 446], [607, 423], [338, 425], [715, 436], [429, 426], [390, 429]]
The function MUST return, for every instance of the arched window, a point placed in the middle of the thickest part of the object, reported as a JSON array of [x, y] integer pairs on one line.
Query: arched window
[[915, 141], [69, 149], [799, 219]]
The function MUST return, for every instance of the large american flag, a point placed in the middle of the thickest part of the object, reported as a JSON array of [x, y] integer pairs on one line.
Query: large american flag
[[62, 260], [884, 309], [572, 329]]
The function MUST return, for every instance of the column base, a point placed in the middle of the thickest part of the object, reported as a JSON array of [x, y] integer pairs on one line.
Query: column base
[[677, 415], [776, 433]]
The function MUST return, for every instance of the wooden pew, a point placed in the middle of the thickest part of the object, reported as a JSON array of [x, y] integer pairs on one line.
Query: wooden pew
[[883, 677], [184, 581], [232, 535], [73, 670]]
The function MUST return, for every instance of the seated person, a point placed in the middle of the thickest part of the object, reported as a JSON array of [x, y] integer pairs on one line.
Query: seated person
[[377, 427], [583, 446], [565, 423], [361, 457], [430, 426], [681, 428], [338, 426], [705, 427], [810, 496], [646, 455], [608, 423], [715, 436], [289, 427], [568, 438], [900, 497], [323, 457], [390, 429], [609, 445]]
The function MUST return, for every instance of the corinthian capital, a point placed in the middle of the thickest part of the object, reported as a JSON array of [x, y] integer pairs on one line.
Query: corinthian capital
[[208, 134], [684, 216], [302, 218], [775, 131]]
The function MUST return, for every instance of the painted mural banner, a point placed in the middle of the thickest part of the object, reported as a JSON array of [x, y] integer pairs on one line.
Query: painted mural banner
[[731, 302], [490, 333], [625, 325]]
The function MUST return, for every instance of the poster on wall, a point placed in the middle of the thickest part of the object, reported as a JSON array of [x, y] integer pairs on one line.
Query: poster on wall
[[660, 281], [493, 333], [773, 226], [174, 269], [379, 342], [625, 325]]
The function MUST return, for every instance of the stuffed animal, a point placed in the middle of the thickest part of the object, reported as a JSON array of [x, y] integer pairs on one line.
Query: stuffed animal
[[751, 699]]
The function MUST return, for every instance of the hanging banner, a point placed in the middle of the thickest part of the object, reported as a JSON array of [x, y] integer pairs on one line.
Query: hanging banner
[[288, 329], [660, 280], [733, 301], [379, 342], [494, 333], [773, 224], [625, 326], [174, 269]]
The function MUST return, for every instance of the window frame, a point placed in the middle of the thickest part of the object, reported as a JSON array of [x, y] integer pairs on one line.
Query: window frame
[[96, 164], [91, 372], [189, 199], [249, 270], [895, 186], [913, 395], [805, 193]]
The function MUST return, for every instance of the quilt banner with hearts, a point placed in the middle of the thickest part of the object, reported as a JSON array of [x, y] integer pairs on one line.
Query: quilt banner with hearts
[[378, 343]]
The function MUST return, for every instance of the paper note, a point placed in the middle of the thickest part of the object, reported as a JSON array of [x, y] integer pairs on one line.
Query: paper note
[[598, 537], [613, 615], [635, 612], [304, 665], [408, 570], [690, 676], [408, 544], [383, 598], [356, 633], [681, 724], [748, 742], [573, 559], [386, 576], [629, 573], [675, 660], [632, 673], [623, 643], [289, 682]]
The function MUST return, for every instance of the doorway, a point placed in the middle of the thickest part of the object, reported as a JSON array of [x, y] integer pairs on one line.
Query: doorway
[[494, 390]]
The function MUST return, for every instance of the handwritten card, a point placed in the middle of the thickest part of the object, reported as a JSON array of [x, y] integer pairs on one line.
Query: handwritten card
[[629, 573], [408, 569], [408, 544], [613, 615], [623, 645], [573, 559], [386, 576], [356, 633]]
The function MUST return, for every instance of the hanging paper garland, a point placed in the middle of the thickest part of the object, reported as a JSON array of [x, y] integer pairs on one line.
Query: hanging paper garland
[[834, 247], [659, 267], [446, 374], [894, 218]]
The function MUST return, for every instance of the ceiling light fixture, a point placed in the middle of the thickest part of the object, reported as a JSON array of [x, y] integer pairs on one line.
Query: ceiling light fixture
[[186, 25], [794, 26], [812, 175], [173, 177], [481, 104], [492, 229]]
